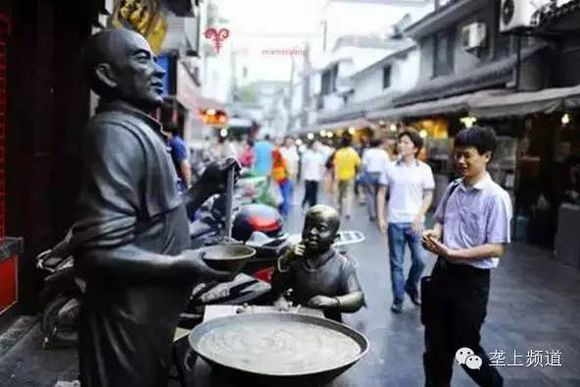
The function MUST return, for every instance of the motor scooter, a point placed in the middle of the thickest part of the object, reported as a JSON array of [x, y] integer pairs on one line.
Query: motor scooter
[[62, 292]]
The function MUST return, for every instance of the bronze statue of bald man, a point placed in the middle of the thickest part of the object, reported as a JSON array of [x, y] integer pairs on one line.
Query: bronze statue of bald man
[[130, 238]]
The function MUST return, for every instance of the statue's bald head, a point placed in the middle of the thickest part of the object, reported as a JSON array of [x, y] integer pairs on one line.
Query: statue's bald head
[[325, 214], [113, 60]]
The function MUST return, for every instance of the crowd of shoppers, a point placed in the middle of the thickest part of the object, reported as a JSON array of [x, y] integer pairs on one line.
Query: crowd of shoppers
[[471, 226]]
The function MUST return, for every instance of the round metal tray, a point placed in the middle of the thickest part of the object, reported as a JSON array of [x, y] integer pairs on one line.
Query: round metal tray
[[279, 347]]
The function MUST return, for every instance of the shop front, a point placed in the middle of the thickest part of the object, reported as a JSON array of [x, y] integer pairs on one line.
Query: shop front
[[547, 179]]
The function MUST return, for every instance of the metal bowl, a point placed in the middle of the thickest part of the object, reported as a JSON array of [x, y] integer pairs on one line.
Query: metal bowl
[[229, 346], [231, 258]]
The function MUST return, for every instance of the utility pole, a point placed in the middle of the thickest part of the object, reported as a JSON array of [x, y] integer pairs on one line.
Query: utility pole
[[234, 80], [306, 71], [290, 95]]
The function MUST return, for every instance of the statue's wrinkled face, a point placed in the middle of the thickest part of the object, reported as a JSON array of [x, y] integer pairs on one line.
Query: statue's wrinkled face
[[124, 67], [139, 77], [320, 228]]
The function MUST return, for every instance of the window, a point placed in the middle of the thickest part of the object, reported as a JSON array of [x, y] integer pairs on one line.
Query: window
[[386, 77], [334, 77], [329, 76], [326, 83], [443, 53]]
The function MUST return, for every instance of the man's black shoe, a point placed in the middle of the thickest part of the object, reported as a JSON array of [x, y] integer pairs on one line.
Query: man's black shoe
[[414, 296], [397, 308]]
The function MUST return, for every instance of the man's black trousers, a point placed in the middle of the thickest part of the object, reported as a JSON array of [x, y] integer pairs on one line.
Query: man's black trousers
[[453, 310], [310, 193]]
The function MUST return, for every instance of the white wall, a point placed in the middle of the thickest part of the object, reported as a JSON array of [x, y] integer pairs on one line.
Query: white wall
[[371, 17], [404, 76]]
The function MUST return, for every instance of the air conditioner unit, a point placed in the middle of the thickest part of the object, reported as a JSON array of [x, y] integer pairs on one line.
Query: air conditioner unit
[[473, 36], [520, 14]]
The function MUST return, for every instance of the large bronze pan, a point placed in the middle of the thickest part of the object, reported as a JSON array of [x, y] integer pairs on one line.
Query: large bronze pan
[[278, 348]]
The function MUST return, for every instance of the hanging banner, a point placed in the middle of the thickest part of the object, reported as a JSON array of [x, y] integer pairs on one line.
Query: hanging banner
[[143, 16]]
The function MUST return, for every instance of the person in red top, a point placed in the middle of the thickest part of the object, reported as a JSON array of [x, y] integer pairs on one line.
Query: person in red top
[[247, 157]]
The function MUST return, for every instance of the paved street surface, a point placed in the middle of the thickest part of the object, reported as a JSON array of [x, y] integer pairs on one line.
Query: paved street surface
[[534, 305]]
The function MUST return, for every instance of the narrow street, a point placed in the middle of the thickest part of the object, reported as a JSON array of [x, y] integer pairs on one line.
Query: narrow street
[[534, 305]]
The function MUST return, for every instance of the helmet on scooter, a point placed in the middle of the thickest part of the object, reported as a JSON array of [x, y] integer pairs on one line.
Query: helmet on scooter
[[256, 217]]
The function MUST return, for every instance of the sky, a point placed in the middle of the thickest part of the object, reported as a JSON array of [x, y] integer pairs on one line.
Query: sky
[[260, 29], [265, 33]]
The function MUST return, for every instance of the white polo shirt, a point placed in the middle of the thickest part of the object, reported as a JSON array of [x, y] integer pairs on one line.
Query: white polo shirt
[[407, 184], [374, 160]]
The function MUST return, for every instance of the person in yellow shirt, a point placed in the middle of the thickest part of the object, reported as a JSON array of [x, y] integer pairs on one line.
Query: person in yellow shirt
[[346, 163]]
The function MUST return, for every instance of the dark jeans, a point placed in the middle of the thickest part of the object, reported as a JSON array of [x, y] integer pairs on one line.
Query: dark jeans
[[453, 310], [371, 186], [286, 191], [310, 193], [399, 235]]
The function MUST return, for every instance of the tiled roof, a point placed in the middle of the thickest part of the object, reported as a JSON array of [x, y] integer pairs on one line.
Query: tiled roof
[[555, 13], [488, 75]]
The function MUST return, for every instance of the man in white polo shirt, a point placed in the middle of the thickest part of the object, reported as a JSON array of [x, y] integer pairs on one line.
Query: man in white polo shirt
[[473, 226], [410, 183]]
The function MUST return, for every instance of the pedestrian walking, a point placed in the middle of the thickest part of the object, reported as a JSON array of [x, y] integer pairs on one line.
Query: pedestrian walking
[[247, 156], [473, 226], [290, 154], [410, 183], [263, 156], [179, 155], [375, 159], [359, 186], [312, 172], [346, 163], [280, 176]]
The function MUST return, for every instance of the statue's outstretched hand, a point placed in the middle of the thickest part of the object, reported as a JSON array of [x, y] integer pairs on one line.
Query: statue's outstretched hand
[[192, 262]]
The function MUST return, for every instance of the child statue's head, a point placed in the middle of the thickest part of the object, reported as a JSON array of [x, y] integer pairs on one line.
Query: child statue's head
[[320, 228]]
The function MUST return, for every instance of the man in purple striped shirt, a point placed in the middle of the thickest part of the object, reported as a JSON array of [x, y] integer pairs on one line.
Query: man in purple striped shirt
[[473, 226]]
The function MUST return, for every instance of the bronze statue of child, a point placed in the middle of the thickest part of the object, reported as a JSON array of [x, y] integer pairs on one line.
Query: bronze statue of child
[[319, 276]]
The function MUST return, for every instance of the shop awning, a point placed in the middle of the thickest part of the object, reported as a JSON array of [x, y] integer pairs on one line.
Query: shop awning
[[455, 104], [522, 103]]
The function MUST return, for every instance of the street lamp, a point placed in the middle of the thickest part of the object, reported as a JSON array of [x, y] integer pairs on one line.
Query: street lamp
[[468, 121]]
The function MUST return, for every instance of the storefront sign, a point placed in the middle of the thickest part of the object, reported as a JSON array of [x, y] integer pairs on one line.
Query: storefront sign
[[143, 16]]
